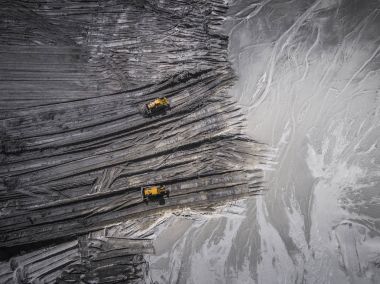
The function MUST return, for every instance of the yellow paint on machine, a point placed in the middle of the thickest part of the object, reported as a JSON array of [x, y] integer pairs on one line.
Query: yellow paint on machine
[[153, 192], [159, 102]]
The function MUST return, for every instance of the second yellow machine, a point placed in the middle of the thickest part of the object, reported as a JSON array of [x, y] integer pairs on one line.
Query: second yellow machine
[[155, 192], [158, 105]]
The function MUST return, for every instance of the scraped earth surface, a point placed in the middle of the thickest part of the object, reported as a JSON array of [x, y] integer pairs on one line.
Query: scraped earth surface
[[76, 149]]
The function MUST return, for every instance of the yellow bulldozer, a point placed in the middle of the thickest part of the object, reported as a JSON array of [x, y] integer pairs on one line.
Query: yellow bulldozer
[[155, 192], [158, 105]]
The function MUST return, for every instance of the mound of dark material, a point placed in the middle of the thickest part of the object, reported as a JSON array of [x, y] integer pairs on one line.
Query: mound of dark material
[[75, 149]]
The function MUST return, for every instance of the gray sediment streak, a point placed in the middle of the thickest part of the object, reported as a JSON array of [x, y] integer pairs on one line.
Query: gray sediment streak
[[74, 147]]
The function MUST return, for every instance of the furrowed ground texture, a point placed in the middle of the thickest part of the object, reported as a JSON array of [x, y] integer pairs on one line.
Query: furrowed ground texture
[[75, 149]]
